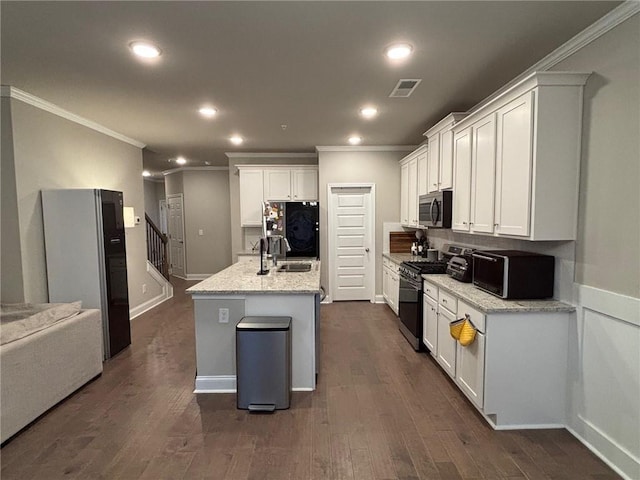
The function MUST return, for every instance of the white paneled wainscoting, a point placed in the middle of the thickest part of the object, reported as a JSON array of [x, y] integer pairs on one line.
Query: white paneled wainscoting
[[604, 378]]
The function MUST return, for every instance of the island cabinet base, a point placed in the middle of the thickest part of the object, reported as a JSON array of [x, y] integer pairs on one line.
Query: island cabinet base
[[215, 341]]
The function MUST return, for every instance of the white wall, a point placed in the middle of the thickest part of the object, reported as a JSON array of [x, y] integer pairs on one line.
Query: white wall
[[52, 152]]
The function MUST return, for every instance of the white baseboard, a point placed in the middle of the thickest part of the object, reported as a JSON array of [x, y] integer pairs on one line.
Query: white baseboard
[[215, 384], [225, 384], [167, 293], [380, 299], [148, 305], [606, 448]]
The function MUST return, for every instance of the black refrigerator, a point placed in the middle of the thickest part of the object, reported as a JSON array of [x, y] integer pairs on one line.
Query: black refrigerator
[[302, 229], [86, 257]]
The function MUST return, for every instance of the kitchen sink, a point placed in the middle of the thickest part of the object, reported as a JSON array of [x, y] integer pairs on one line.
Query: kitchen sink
[[295, 267]]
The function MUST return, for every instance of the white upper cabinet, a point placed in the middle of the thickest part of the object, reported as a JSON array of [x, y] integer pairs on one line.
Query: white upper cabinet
[[413, 181], [423, 165], [304, 183], [445, 171], [404, 193], [251, 197], [260, 183], [525, 157], [514, 157], [434, 160], [483, 169], [462, 180], [413, 192], [440, 138], [277, 184]]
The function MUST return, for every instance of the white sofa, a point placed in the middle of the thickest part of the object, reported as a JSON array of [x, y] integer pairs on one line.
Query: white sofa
[[42, 365]]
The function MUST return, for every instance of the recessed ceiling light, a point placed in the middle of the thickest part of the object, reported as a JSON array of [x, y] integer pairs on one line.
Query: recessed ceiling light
[[236, 139], [145, 50], [146, 173], [354, 140], [208, 112], [369, 112], [398, 51], [181, 160]]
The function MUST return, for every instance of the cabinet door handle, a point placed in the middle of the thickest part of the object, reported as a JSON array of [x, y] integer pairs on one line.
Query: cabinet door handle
[[464, 223], [495, 224]]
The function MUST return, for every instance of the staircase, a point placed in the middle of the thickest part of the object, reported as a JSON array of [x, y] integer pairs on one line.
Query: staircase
[[157, 248]]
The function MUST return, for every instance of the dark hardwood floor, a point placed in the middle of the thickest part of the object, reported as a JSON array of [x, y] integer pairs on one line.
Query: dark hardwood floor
[[381, 411]]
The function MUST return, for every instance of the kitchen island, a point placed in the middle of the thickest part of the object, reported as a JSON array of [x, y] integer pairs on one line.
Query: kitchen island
[[223, 299]]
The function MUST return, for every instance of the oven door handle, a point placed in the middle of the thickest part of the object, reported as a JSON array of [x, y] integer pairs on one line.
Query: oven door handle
[[408, 282]]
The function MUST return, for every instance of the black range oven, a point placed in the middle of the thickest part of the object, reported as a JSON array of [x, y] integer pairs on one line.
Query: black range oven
[[410, 297]]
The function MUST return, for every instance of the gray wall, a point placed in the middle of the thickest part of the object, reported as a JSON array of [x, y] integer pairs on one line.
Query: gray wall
[[12, 286], [237, 239], [206, 207], [206, 200], [52, 152], [153, 193], [378, 167], [608, 252]]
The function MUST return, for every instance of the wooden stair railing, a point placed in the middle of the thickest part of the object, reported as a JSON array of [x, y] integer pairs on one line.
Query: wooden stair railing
[[157, 247]]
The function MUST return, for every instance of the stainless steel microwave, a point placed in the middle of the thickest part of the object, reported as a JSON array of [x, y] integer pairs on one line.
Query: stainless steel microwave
[[434, 209], [513, 274]]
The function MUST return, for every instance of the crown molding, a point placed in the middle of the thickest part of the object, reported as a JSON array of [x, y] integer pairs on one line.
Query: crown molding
[[17, 94], [355, 148], [269, 155], [594, 31], [183, 169], [153, 179]]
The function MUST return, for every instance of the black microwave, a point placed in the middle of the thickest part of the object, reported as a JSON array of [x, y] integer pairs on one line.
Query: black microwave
[[513, 274], [434, 209]]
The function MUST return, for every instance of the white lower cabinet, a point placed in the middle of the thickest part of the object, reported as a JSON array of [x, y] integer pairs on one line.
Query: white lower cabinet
[[515, 371], [446, 343], [390, 284], [470, 359], [430, 324]]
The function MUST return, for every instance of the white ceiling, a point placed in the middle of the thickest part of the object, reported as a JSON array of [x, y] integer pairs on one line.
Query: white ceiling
[[309, 65]]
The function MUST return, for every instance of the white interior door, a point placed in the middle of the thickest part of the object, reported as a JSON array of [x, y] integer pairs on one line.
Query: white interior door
[[351, 242], [176, 234]]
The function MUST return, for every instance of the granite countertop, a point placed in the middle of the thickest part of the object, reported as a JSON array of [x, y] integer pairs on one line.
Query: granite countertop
[[491, 304], [242, 278]]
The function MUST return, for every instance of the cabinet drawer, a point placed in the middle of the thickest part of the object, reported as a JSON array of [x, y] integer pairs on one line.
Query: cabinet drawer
[[394, 266], [386, 262], [448, 301], [477, 317], [430, 290]]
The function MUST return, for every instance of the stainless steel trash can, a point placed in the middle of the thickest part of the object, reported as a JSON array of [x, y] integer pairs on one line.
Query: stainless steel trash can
[[263, 363]]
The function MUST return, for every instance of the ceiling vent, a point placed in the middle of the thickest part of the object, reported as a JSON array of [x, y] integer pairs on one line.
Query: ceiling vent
[[405, 87]]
